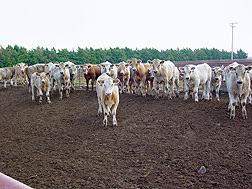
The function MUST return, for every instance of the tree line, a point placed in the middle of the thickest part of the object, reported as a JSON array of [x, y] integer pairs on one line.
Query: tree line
[[10, 56]]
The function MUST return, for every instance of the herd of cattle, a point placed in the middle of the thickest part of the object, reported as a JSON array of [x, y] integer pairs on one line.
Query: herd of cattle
[[135, 77]]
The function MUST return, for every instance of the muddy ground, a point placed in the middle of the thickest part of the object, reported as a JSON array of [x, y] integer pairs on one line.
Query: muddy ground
[[157, 143]]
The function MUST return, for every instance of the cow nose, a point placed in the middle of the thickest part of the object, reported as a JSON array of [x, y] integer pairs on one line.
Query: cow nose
[[155, 71], [134, 69], [108, 94], [216, 79], [43, 81], [152, 77], [239, 82], [187, 78], [61, 72], [121, 73]]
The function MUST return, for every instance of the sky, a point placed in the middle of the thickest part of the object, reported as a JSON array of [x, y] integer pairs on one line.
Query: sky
[[160, 24]]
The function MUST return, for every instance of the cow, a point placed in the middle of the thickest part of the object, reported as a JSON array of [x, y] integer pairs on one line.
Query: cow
[[34, 68], [40, 83], [139, 75], [250, 75], [105, 67], [164, 72], [108, 97], [62, 77], [216, 79], [73, 73], [195, 75], [123, 74], [113, 71], [20, 73], [149, 78], [226, 70], [6, 74], [238, 86], [91, 72]]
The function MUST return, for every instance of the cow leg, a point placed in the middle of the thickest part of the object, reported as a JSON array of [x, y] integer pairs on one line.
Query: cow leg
[[40, 94], [243, 104], [48, 96], [204, 91], [186, 92], [157, 89], [114, 107], [5, 83], [105, 119], [11, 83], [250, 97], [232, 109], [207, 87], [87, 81], [99, 106], [217, 91], [142, 89], [33, 92], [195, 92], [172, 94], [60, 91]]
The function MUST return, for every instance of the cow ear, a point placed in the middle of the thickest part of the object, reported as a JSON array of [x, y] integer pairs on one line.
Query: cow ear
[[149, 61], [182, 69], [193, 68], [129, 61], [57, 65], [48, 74], [248, 68], [162, 61], [116, 81], [139, 61], [213, 69], [100, 82], [37, 74], [18, 64], [111, 66]]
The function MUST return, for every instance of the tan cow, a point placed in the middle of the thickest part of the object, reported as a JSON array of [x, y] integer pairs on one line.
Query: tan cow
[[216, 81], [6, 74], [123, 74], [91, 72], [108, 97], [139, 74], [39, 84]]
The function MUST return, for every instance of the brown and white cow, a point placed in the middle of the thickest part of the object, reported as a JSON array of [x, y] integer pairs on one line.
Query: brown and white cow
[[123, 74], [164, 72], [39, 84], [34, 68], [73, 73], [108, 97], [238, 86], [20, 73], [6, 74], [91, 72], [139, 75], [216, 79]]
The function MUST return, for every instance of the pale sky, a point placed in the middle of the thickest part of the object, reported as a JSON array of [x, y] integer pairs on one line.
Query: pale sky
[[160, 24]]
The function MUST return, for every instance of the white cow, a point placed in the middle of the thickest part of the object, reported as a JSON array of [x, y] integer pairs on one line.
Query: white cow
[[62, 77], [39, 84], [164, 72], [216, 81], [195, 76], [73, 73], [20, 73], [105, 67], [108, 97], [238, 86], [250, 75], [226, 70], [6, 74], [113, 71]]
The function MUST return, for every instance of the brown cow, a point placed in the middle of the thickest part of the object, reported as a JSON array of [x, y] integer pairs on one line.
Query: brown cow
[[139, 75], [91, 72], [123, 74], [7, 73]]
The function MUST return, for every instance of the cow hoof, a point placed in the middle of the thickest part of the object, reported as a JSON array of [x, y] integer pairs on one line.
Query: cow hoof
[[40, 102], [49, 102]]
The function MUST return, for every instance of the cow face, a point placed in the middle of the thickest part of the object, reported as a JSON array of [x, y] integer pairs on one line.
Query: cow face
[[187, 71], [62, 67], [44, 76], [22, 67], [239, 71], [217, 73], [134, 63], [105, 67], [151, 73], [108, 85], [122, 68], [156, 63]]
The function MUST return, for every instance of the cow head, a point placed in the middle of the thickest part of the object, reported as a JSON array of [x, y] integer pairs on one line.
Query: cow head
[[105, 67], [122, 68], [134, 63], [240, 71], [217, 73], [22, 67], [62, 67], [187, 71], [108, 84], [156, 64], [44, 76]]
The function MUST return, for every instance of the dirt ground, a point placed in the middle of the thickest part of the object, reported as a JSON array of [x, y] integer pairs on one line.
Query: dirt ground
[[157, 144]]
